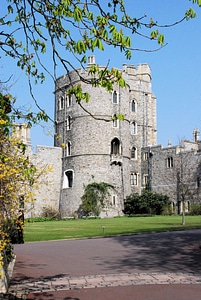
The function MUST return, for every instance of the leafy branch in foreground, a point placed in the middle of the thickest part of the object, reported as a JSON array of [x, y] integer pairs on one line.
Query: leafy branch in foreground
[[67, 31]]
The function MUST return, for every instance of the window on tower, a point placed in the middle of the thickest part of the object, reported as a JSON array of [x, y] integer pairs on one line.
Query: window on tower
[[61, 102], [115, 121], [68, 149], [133, 106], [69, 100], [68, 179], [133, 153], [115, 97], [133, 128], [68, 123], [115, 146], [114, 200]]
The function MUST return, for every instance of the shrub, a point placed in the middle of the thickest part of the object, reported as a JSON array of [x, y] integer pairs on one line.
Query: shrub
[[147, 203], [94, 198], [195, 209], [132, 204], [50, 213]]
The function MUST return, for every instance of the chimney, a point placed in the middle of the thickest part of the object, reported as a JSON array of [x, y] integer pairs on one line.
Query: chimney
[[196, 134], [91, 60]]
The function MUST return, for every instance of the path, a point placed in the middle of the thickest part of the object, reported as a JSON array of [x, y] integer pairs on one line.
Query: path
[[106, 264]]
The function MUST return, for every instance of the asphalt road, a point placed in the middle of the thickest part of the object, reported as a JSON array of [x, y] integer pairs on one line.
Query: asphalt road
[[169, 252]]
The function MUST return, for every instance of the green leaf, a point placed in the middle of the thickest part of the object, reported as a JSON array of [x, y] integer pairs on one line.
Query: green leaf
[[190, 14], [161, 39], [120, 117], [10, 9], [122, 82]]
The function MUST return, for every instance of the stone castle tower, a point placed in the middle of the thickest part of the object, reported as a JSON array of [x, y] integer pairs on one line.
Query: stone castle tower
[[103, 149]]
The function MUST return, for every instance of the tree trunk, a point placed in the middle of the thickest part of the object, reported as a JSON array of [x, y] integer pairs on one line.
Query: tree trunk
[[183, 213]]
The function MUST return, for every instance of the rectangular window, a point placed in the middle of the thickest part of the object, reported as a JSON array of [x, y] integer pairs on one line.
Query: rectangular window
[[115, 123], [146, 155], [68, 123], [133, 179], [113, 200], [145, 180], [198, 182], [170, 162], [69, 100]]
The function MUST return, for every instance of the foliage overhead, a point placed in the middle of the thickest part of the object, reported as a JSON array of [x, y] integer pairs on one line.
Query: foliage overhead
[[70, 30]]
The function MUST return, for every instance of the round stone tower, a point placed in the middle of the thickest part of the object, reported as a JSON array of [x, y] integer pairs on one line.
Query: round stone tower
[[97, 147]]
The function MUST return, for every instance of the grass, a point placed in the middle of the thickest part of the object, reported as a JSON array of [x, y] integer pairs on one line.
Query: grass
[[86, 228]]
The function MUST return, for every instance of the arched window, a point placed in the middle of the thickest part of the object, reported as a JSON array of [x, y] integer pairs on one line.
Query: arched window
[[115, 146], [61, 102], [68, 179], [133, 153], [133, 106], [133, 128], [114, 97]]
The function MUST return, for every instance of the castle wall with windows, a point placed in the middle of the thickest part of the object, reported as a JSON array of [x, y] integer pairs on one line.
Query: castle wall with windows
[[174, 171], [92, 145]]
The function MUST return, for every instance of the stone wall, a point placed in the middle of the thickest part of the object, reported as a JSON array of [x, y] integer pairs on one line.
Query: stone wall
[[176, 172], [47, 191]]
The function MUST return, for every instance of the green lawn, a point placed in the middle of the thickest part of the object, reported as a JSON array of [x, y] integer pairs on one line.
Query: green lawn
[[85, 228]]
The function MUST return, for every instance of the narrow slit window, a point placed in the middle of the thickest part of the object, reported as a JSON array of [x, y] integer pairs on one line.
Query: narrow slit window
[[115, 97], [133, 106], [133, 128]]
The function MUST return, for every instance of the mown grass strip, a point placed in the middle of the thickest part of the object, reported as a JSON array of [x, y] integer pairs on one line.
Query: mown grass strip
[[71, 229]]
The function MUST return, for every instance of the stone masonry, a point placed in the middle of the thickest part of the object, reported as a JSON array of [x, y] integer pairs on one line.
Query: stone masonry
[[175, 171], [48, 188], [100, 149], [91, 145]]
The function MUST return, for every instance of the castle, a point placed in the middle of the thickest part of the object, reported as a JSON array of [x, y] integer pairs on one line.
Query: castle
[[92, 145]]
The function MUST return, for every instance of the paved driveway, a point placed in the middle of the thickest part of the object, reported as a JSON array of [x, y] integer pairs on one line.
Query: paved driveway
[[175, 254]]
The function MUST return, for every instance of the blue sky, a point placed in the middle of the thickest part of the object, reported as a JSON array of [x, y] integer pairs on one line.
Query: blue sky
[[176, 75]]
